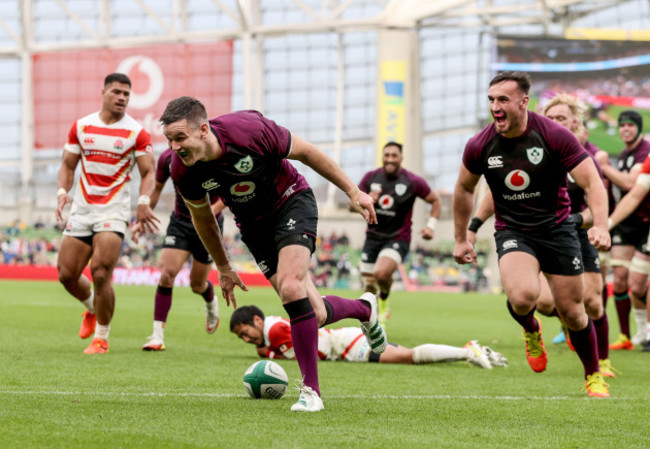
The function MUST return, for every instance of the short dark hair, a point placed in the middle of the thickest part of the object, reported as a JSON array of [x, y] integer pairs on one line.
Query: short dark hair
[[521, 78], [393, 144], [245, 315], [117, 78], [187, 108]]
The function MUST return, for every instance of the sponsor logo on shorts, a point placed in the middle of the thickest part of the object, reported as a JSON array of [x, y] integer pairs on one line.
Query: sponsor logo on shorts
[[510, 244], [400, 189], [245, 164], [364, 256], [495, 162], [535, 155], [597, 262], [576, 263], [210, 184], [107, 226], [170, 240], [291, 224], [617, 239], [395, 245], [263, 267]]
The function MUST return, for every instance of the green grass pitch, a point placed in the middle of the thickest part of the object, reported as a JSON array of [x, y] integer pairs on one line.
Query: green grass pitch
[[191, 396]]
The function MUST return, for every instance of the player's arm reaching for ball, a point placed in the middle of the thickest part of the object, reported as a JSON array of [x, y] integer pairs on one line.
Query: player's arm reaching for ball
[[462, 205], [208, 230]]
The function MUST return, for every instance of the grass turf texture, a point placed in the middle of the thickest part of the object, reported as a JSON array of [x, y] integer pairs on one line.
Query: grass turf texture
[[191, 395]]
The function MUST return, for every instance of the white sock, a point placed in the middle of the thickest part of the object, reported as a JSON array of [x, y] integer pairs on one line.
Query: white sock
[[90, 302], [431, 353], [641, 318], [159, 329], [102, 331]]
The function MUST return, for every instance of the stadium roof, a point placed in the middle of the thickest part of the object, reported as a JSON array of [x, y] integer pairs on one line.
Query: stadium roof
[[98, 25]]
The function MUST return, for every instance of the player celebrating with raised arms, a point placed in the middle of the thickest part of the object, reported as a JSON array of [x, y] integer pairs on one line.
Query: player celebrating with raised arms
[[242, 158], [525, 159], [109, 143]]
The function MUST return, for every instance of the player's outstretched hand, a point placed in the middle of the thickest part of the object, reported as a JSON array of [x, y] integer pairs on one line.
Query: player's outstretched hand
[[599, 237], [62, 200], [228, 279], [464, 252], [363, 203], [137, 230], [146, 218], [426, 233]]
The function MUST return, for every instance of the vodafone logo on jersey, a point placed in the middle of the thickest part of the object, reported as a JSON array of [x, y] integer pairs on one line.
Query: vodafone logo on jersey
[[242, 188], [155, 85], [386, 201], [517, 180]]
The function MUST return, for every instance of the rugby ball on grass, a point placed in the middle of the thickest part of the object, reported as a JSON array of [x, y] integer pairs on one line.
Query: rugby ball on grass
[[265, 380]]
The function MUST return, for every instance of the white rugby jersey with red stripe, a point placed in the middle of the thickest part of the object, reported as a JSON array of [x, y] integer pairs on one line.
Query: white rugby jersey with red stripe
[[108, 154], [333, 344]]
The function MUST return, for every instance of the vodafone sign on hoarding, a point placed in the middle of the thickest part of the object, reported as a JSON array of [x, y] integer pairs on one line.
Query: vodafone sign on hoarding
[[67, 85]]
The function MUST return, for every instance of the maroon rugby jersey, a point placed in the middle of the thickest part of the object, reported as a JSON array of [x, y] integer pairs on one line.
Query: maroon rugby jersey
[[626, 160], [163, 172], [527, 174], [252, 176], [576, 194], [395, 205]]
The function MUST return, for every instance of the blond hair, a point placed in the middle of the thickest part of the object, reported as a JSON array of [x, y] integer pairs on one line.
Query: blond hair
[[577, 108]]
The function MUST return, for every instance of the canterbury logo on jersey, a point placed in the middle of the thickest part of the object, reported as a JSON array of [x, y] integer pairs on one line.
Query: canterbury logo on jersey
[[495, 162], [210, 184]]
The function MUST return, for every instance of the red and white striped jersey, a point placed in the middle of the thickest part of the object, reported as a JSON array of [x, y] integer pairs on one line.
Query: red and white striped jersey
[[108, 154], [333, 344]]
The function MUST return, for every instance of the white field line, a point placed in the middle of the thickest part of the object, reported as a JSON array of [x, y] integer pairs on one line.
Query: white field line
[[232, 395]]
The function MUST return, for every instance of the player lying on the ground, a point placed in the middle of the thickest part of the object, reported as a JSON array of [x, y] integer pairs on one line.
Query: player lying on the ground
[[272, 337]]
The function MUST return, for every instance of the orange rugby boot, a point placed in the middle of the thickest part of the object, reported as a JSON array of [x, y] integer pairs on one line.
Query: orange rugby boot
[[87, 324], [98, 346], [535, 350]]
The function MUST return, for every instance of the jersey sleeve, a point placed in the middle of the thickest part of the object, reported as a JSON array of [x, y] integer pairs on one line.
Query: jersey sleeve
[[163, 167], [471, 156], [420, 187], [364, 185], [275, 138], [72, 144], [567, 148], [280, 339], [143, 144]]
